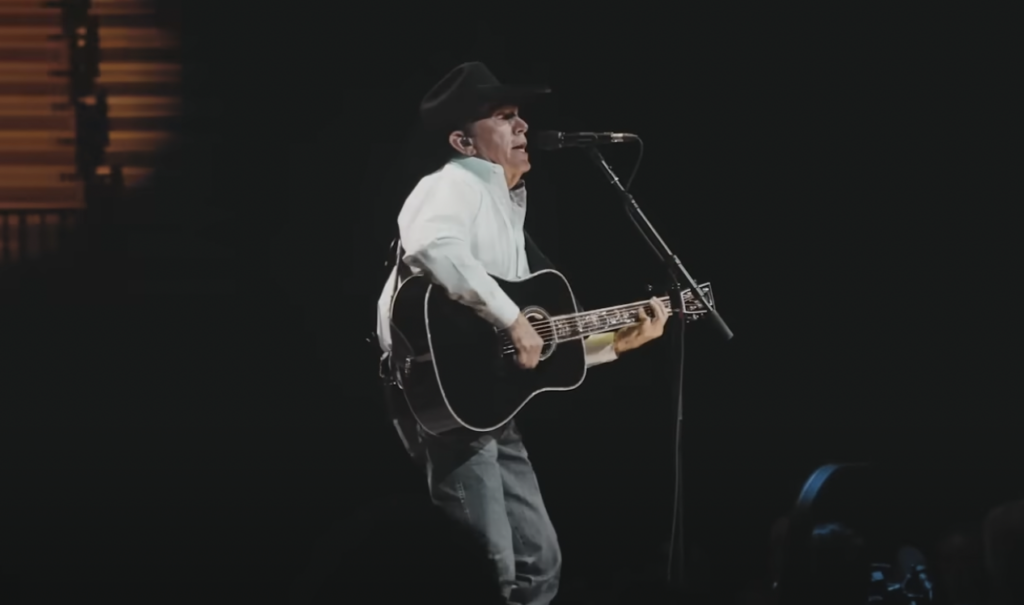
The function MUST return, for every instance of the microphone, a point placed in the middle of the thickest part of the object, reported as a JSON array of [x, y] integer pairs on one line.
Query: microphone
[[552, 139]]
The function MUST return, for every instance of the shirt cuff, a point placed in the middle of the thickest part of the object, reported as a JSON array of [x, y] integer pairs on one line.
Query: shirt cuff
[[503, 311], [600, 349]]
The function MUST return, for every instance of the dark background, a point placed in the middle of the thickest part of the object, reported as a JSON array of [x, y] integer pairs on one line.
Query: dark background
[[189, 401]]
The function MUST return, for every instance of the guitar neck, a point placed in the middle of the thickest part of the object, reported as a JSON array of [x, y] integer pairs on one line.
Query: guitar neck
[[582, 325], [589, 323]]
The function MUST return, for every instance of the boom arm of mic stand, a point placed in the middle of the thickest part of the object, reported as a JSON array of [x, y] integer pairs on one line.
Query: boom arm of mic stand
[[672, 263], [679, 275]]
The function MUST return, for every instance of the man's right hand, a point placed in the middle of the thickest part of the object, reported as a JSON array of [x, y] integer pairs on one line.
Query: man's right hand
[[527, 342]]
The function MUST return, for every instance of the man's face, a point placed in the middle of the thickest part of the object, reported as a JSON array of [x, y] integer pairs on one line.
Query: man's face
[[501, 139]]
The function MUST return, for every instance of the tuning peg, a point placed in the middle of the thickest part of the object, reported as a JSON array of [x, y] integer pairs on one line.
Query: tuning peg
[[649, 288]]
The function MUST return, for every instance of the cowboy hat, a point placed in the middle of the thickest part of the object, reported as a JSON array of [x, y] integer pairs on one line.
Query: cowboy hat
[[469, 93]]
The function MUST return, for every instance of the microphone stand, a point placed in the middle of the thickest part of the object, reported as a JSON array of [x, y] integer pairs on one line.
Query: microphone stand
[[679, 278]]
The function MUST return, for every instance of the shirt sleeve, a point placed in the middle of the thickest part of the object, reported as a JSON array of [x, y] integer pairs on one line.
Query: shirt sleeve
[[599, 349], [435, 230]]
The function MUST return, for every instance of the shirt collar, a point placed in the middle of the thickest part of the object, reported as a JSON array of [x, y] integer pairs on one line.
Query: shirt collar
[[488, 172], [518, 193], [494, 176]]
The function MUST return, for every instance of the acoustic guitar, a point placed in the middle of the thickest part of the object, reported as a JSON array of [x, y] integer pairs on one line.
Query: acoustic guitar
[[456, 370]]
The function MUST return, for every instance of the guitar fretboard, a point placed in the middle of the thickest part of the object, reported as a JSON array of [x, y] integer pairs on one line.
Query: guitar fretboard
[[586, 324]]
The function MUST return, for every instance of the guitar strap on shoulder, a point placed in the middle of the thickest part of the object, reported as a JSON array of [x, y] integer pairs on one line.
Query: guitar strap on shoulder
[[403, 269], [395, 405], [534, 257], [400, 269], [538, 261]]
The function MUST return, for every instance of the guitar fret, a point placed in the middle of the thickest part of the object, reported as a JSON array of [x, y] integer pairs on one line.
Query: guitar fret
[[574, 327], [598, 322], [566, 329]]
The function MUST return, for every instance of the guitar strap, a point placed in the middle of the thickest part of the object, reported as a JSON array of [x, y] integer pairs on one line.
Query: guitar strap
[[537, 260], [403, 271], [394, 400]]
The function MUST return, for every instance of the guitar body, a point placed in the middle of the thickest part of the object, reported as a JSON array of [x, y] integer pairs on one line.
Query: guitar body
[[454, 368]]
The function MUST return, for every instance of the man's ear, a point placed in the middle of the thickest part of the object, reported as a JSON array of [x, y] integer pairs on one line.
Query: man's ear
[[462, 143]]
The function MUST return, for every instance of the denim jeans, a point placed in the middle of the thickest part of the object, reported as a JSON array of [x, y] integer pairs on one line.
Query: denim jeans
[[487, 481]]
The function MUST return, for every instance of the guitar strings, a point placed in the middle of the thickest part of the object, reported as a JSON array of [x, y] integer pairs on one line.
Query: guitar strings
[[575, 323]]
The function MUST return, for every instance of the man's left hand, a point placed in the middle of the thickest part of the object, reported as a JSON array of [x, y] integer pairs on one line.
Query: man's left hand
[[644, 330]]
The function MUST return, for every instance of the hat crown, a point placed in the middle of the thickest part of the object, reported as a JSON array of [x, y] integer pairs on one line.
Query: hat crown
[[463, 78], [463, 93]]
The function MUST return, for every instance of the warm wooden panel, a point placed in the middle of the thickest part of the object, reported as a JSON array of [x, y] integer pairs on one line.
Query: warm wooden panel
[[137, 37], [148, 123], [31, 37], [37, 157], [138, 88], [54, 121], [128, 140], [138, 72], [33, 72], [49, 19], [26, 7], [135, 54], [46, 55], [35, 140], [76, 204], [52, 87], [36, 176], [163, 89], [120, 106], [32, 105], [69, 194]]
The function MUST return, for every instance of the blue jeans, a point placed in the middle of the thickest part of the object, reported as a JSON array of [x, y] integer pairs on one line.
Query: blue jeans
[[487, 481]]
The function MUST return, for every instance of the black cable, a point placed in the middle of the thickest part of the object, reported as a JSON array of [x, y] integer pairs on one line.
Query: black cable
[[676, 543]]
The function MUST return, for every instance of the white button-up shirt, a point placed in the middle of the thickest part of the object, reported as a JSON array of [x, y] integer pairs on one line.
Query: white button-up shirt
[[461, 225]]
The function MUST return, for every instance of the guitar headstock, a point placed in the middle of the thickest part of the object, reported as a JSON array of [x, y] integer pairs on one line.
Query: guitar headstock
[[693, 308]]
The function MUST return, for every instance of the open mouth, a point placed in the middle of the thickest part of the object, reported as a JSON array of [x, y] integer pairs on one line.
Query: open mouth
[[520, 147]]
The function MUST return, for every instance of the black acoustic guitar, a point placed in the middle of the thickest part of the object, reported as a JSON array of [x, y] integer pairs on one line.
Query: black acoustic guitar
[[457, 370]]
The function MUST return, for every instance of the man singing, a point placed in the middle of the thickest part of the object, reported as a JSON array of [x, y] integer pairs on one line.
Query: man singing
[[461, 225]]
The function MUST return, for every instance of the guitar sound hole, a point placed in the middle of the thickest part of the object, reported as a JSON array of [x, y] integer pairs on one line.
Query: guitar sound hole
[[541, 322]]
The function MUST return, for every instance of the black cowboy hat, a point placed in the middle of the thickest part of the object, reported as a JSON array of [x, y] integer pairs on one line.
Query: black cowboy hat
[[469, 93]]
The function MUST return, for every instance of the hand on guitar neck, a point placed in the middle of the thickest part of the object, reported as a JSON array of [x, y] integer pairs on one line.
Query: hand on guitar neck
[[527, 342], [644, 330]]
